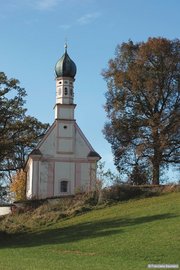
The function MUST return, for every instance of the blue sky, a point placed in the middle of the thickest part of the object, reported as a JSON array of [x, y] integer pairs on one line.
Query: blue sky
[[33, 33]]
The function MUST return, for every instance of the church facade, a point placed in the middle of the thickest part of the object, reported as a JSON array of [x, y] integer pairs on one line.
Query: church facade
[[64, 162]]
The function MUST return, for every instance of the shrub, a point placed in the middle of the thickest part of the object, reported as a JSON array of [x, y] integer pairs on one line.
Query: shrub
[[126, 192], [18, 185]]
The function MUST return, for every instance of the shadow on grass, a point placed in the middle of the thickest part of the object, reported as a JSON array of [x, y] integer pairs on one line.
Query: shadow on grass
[[73, 233]]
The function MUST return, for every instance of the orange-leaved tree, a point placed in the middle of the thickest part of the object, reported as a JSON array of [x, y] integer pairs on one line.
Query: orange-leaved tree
[[18, 185]]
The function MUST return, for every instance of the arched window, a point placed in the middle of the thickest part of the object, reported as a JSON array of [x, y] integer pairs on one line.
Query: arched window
[[65, 91], [64, 186]]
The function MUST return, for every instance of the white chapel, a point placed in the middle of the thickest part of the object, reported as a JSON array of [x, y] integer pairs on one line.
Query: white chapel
[[64, 162]]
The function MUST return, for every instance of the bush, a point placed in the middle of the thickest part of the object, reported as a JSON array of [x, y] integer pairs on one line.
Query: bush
[[18, 185], [126, 192]]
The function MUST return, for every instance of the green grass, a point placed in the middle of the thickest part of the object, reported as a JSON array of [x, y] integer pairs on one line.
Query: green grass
[[128, 235]]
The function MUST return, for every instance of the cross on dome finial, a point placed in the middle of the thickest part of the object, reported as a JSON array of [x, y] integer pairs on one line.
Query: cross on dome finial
[[65, 46]]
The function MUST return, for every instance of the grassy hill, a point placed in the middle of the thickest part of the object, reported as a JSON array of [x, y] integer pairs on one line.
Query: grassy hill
[[126, 235]]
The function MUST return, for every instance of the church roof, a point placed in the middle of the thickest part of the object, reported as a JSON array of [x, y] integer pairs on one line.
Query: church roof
[[93, 154], [65, 67], [35, 152]]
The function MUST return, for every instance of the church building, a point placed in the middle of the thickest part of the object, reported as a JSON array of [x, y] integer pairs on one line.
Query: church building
[[64, 162]]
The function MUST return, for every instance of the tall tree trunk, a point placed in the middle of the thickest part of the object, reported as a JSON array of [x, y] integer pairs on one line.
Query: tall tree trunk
[[156, 172], [156, 158]]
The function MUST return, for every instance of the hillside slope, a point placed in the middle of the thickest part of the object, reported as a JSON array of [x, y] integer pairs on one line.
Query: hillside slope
[[128, 235]]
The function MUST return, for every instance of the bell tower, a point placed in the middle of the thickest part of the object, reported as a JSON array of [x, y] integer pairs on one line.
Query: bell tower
[[65, 70]]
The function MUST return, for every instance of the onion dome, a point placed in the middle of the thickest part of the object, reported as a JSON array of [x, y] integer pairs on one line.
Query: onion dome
[[65, 67]]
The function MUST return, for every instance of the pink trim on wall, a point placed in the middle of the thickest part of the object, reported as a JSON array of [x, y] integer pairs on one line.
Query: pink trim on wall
[[77, 175], [67, 159], [67, 138], [50, 184], [92, 177], [37, 179]]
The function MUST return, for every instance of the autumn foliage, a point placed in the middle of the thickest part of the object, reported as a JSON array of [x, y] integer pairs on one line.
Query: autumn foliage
[[143, 105], [18, 185]]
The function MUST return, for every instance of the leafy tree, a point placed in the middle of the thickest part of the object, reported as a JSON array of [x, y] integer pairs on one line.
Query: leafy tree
[[138, 176], [143, 104], [18, 185], [19, 133]]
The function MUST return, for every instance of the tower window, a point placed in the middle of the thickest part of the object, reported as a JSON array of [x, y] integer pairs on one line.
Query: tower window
[[60, 82], [64, 186], [65, 91], [71, 92]]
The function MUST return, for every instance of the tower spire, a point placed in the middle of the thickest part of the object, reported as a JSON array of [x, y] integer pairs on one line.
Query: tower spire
[[65, 46]]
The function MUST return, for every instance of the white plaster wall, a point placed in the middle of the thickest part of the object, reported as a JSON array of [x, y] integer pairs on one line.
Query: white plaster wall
[[64, 171], [64, 112], [69, 145], [48, 147], [65, 145], [29, 180], [81, 148], [43, 179], [85, 175], [65, 141], [65, 129], [63, 93]]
